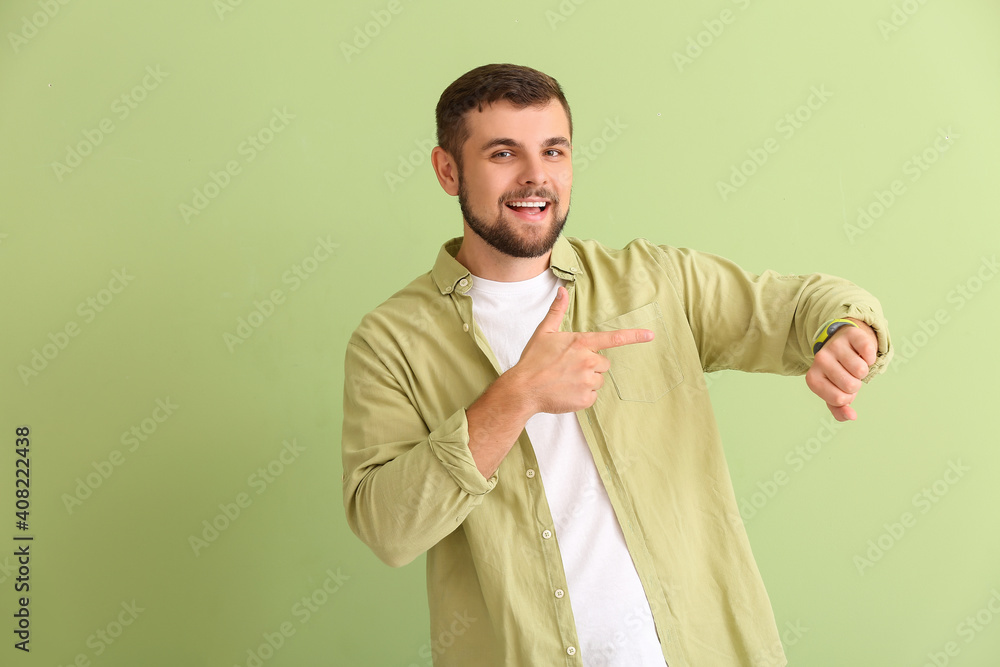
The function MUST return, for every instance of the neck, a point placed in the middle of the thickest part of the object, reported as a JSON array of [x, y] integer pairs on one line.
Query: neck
[[485, 261]]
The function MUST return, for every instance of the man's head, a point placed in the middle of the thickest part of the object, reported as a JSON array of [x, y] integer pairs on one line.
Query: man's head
[[503, 138], [482, 86]]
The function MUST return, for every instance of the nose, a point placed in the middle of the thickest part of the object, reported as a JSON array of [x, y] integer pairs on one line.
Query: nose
[[533, 171]]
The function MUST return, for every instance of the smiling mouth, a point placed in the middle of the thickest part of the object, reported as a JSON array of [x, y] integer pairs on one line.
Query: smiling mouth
[[529, 208]]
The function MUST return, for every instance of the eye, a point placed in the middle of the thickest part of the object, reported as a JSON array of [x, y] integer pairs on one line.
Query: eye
[[499, 153], [556, 152]]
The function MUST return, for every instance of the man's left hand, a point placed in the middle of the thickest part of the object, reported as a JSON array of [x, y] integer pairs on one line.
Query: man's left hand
[[840, 366]]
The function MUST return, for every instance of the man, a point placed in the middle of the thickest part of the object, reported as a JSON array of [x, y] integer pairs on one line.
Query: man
[[532, 413]]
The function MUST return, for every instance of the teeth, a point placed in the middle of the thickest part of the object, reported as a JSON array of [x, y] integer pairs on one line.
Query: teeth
[[527, 204]]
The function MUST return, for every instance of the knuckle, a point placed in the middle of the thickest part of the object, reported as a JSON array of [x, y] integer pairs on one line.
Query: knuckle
[[825, 357], [843, 399]]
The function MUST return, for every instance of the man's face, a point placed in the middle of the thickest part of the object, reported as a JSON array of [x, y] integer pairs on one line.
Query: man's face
[[517, 156]]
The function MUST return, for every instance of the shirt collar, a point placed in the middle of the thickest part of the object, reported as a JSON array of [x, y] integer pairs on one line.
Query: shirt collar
[[448, 274]]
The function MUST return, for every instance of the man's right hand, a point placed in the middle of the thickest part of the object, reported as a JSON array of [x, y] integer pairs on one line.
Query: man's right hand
[[561, 371]]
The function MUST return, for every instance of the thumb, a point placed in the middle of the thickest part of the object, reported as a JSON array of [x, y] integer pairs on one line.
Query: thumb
[[554, 317], [843, 412]]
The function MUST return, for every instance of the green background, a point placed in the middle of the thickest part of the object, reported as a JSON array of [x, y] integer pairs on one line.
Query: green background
[[343, 140]]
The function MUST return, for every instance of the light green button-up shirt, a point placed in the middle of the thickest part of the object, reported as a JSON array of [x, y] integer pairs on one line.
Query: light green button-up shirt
[[495, 581]]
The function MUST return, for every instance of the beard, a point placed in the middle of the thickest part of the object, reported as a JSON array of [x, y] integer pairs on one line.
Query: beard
[[502, 234]]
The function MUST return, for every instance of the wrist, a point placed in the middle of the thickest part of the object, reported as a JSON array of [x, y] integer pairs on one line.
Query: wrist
[[830, 328], [516, 394]]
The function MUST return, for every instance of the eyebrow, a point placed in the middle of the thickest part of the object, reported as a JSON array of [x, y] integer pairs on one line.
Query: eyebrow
[[506, 141]]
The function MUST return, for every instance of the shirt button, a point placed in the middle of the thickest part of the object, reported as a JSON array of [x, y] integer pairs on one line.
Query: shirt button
[[530, 473], [465, 327], [574, 270], [463, 282], [448, 289], [546, 534], [560, 593], [571, 650]]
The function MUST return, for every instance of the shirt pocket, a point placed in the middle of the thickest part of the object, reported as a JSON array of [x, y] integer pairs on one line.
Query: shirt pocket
[[643, 371]]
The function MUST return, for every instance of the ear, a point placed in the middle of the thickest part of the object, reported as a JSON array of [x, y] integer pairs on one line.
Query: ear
[[446, 170]]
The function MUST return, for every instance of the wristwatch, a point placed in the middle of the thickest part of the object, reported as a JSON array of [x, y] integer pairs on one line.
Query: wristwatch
[[828, 330]]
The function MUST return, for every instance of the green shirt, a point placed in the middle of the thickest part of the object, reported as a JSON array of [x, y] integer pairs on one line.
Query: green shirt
[[411, 486]]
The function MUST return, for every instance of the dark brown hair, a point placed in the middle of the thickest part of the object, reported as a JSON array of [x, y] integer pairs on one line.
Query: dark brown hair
[[522, 86]]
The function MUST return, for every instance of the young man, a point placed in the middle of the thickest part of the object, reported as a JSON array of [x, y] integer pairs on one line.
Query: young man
[[532, 413]]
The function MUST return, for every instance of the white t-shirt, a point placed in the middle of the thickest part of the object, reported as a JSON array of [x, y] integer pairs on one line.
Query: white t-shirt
[[613, 621]]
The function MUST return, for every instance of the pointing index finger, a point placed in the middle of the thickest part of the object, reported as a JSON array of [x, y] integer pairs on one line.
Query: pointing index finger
[[602, 340]]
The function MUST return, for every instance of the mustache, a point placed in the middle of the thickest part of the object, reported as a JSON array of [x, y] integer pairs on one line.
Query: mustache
[[527, 194]]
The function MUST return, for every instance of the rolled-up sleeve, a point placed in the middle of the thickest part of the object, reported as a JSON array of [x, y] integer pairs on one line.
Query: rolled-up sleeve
[[406, 486], [871, 314], [765, 322]]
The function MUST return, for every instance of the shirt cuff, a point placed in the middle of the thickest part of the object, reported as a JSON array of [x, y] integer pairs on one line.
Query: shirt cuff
[[450, 444], [879, 324]]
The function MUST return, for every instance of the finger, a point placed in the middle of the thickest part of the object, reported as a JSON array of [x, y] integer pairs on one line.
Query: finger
[[553, 318], [842, 377], [831, 394], [601, 364], [842, 413], [862, 343], [602, 340], [843, 362], [854, 364], [598, 381]]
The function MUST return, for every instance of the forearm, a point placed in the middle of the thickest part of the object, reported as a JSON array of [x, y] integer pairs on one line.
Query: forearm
[[403, 498], [496, 420], [765, 322], [408, 480], [405, 505]]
